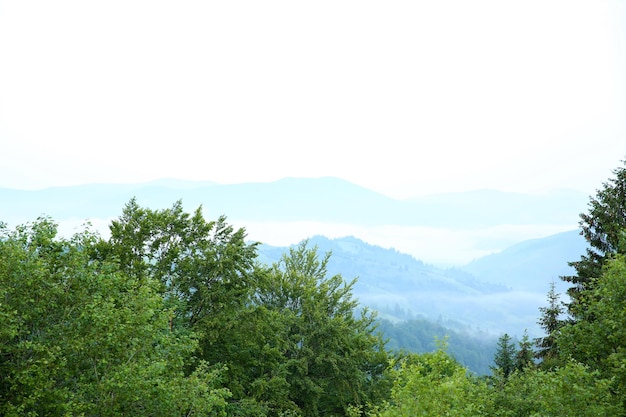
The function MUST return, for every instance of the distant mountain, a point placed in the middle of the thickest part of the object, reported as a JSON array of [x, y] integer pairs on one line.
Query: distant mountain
[[449, 229], [299, 199], [401, 287], [175, 183], [475, 350], [531, 265], [383, 271], [488, 207], [321, 199]]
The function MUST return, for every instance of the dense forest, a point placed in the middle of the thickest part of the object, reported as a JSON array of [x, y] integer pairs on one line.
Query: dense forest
[[173, 315], [471, 348]]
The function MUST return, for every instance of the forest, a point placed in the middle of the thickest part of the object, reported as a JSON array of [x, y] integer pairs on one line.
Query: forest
[[173, 315]]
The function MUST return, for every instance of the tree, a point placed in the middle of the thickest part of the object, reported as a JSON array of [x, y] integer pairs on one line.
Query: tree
[[288, 335], [81, 337], [601, 343], [504, 358], [326, 356], [434, 384], [550, 322], [525, 354], [207, 277], [601, 227], [571, 390], [205, 267]]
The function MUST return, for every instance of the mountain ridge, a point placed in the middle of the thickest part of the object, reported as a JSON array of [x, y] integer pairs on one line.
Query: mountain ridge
[[324, 198], [389, 281], [545, 257], [446, 228]]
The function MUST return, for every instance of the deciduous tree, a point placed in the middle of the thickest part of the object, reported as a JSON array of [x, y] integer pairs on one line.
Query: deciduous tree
[[81, 336], [434, 384], [330, 357]]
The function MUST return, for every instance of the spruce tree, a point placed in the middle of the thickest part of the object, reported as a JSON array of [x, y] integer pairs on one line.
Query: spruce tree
[[550, 322], [601, 227], [504, 357], [525, 354]]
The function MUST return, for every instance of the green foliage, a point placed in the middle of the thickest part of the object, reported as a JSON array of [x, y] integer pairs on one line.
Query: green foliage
[[434, 384], [602, 227], [550, 321], [172, 317], [325, 358], [81, 337], [504, 358], [525, 354], [287, 334], [206, 274], [572, 390], [598, 339], [204, 267], [204, 270], [475, 351]]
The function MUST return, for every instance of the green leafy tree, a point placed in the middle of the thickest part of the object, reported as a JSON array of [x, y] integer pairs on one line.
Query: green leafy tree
[[601, 343], [571, 390], [504, 357], [205, 267], [327, 357], [435, 384], [81, 337], [288, 335], [206, 272], [601, 226]]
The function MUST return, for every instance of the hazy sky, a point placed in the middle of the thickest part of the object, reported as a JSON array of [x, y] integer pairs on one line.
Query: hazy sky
[[404, 97]]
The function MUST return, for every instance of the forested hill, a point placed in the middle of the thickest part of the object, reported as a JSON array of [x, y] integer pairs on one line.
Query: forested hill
[[386, 272], [471, 305], [402, 287], [473, 349], [530, 264]]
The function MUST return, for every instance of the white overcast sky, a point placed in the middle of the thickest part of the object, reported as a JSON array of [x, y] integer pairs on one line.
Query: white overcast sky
[[404, 97]]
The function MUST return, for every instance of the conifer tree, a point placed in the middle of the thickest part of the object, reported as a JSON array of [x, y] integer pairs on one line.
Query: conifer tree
[[601, 227], [504, 357], [550, 322], [525, 354], [600, 343]]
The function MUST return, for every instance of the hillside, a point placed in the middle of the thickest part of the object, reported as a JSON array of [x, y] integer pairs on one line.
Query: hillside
[[324, 199], [443, 229], [417, 302], [473, 349], [401, 287], [531, 265]]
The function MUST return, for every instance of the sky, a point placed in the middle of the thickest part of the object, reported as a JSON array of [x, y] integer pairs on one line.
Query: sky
[[404, 97]]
